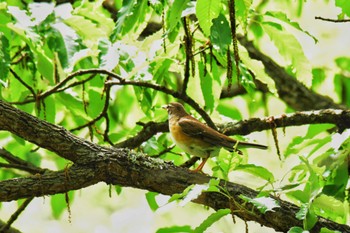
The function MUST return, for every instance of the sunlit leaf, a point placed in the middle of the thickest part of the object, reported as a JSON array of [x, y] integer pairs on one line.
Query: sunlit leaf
[[206, 11], [151, 200], [211, 220], [175, 229], [40, 11], [284, 18], [344, 6], [175, 13], [246, 79], [263, 204], [297, 230], [130, 17], [343, 63], [289, 47], [206, 82], [255, 170], [331, 208], [59, 204]]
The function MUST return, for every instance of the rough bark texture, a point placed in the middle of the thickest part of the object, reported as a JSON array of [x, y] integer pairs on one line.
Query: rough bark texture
[[94, 164]]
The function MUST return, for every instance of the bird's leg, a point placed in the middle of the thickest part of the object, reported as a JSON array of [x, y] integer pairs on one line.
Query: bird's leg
[[201, 165]]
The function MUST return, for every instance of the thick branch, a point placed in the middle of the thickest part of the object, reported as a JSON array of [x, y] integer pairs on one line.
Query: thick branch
[[126, 168], [129, 169], [44, 134]]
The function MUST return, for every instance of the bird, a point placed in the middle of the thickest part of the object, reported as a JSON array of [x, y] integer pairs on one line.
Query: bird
[[198, 139]]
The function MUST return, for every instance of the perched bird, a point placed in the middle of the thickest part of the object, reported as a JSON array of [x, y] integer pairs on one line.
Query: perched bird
[[198, 139]]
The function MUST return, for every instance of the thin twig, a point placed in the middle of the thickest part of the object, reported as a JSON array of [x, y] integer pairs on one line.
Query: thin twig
[[23, 83], [165, 90], [232, 10], [333, 20], [15, 215], [188, 51], [101, 115], [18, 163]]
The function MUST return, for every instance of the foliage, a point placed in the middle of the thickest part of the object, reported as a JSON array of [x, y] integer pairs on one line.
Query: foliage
[[44, 46]]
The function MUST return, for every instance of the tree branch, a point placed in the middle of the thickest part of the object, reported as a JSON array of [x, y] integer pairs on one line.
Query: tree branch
[[52, 137], [333, 20], [340, 118], [126, 168], [15, 215], [130, 169], [149, 129]]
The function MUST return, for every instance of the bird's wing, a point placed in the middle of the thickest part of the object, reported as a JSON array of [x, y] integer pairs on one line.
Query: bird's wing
[[196, 129]]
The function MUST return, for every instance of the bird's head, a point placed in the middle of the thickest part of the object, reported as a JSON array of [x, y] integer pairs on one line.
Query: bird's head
[[175, 110]]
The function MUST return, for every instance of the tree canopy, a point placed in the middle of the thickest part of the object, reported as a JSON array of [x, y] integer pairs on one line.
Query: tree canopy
[[82, 85]]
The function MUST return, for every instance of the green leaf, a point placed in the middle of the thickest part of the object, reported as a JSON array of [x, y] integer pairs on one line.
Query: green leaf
[[58, 204], [214, 185], [151, 200], [258, 69], [67, 43], [118, 189], [229, 110], [343, 63], [179, 196], [246, 79], [297, 230], [284, 18], [263, 204], [206, 11], [211, 220], [256, 29], [49, 111], [301, 215], [289, 47], [317, 129], [298, 196], [175, 13], [144, 96], [175, 229], [310, 220], [325, 230], [73, 105], [331, 208], [44, 64], [5, 59], [242, 10], [318, 77], [206, 82], [220, 34], [344, 6], [131, 16], [255, 170]]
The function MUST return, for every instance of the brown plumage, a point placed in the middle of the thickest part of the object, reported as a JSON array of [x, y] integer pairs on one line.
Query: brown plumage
[[197, 138]]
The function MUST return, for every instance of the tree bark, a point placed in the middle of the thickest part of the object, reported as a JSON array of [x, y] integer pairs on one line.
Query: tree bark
[[94, 163]]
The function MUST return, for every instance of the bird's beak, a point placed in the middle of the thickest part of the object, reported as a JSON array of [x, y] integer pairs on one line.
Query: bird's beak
[[165, 107]]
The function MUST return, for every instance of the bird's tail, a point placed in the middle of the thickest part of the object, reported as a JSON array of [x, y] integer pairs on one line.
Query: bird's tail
[[251, 145]]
